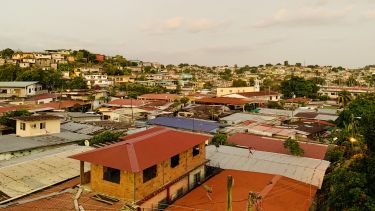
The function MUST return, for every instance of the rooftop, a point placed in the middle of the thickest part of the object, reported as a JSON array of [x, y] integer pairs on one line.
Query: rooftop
[[186, 123], [37, 118], [126, 102], [13, 143], [260, 93], [223, 101], [43, 96], [141, 150], [278, 192], [155, 96], [306, 170], [260, 143], [26, 177], [17, 84]]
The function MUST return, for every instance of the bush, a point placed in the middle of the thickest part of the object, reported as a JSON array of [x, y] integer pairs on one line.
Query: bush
[[105, 137], [293, 147], [219, 139]]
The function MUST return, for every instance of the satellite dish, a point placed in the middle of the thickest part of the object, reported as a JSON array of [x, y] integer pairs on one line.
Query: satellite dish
[[87, 143]]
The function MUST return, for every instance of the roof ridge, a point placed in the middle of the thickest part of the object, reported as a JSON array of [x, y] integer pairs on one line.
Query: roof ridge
[[140, 138], [133, 160]]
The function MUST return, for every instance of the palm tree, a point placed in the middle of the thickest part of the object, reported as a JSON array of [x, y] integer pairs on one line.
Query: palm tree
[[344, 98]]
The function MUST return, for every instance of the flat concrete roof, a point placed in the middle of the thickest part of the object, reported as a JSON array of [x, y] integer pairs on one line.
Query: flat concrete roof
[[13, 143]]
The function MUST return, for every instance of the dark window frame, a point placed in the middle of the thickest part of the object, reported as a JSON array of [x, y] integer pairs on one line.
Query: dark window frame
[[42, 125], [175, 161], [111, 175], [196, 150], [150, 173], [22, 126]]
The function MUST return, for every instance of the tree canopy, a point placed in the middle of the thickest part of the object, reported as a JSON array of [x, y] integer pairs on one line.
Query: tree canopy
[[299, 87]]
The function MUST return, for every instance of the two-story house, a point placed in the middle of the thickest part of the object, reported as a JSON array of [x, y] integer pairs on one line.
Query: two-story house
[[149, 168]]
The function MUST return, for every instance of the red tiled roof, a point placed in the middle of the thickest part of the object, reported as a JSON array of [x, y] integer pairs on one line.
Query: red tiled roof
[[141, 150], [63, 104], [43, 96], [159, 97], [223, 100], [127, 102], [298, 100], [261, 93], [278, 193], [259, 143], [320, 122]]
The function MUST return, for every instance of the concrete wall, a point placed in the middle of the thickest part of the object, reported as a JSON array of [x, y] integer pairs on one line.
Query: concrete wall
[[52, 126]]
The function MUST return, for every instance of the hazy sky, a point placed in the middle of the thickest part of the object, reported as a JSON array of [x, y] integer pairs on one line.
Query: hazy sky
[[209, 32]]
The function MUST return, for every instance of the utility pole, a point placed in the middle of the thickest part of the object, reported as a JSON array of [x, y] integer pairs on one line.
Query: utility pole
[[229, 193]]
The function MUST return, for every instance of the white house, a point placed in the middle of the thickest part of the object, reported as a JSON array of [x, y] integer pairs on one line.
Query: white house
[[20, 88]]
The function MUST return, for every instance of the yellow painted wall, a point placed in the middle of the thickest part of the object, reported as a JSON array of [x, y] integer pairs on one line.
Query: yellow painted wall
[[165, 175], [52, 126], [232, 90]]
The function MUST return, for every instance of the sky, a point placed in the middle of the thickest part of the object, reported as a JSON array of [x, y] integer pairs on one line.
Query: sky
[[204, 32]]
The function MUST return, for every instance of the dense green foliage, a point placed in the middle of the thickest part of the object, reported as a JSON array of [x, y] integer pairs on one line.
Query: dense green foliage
[[77, 83], [219, 139], [299, 87], [239, 83], [293, 147], [226, 75], [105, 137], [357, 108], [7, 118], [349, 182], [134, 90]]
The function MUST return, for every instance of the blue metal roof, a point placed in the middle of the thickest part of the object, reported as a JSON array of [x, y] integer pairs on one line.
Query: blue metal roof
[[186, 123]]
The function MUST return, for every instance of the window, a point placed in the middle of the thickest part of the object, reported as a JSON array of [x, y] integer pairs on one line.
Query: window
[[197, 179], [149, 173], [42, 125], [163, 204], [29, 90], [180, 192], [196, 150], [175, 160], [33, 125], [111, 175], [23, 126]]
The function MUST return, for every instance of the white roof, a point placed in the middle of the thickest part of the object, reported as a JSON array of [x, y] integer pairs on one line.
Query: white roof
[[18, 84], [241, 117], [307, 170], [24, 178]]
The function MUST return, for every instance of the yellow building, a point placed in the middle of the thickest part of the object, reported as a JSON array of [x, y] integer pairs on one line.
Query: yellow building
[[150, 169], [232, 90], [27, 126]]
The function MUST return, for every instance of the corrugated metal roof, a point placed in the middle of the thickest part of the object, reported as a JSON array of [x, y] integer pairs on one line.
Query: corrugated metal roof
[[141, 150], [18, 84], [241, 117], [259, 143], [186, 123], [307, 170], [27, 177]]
